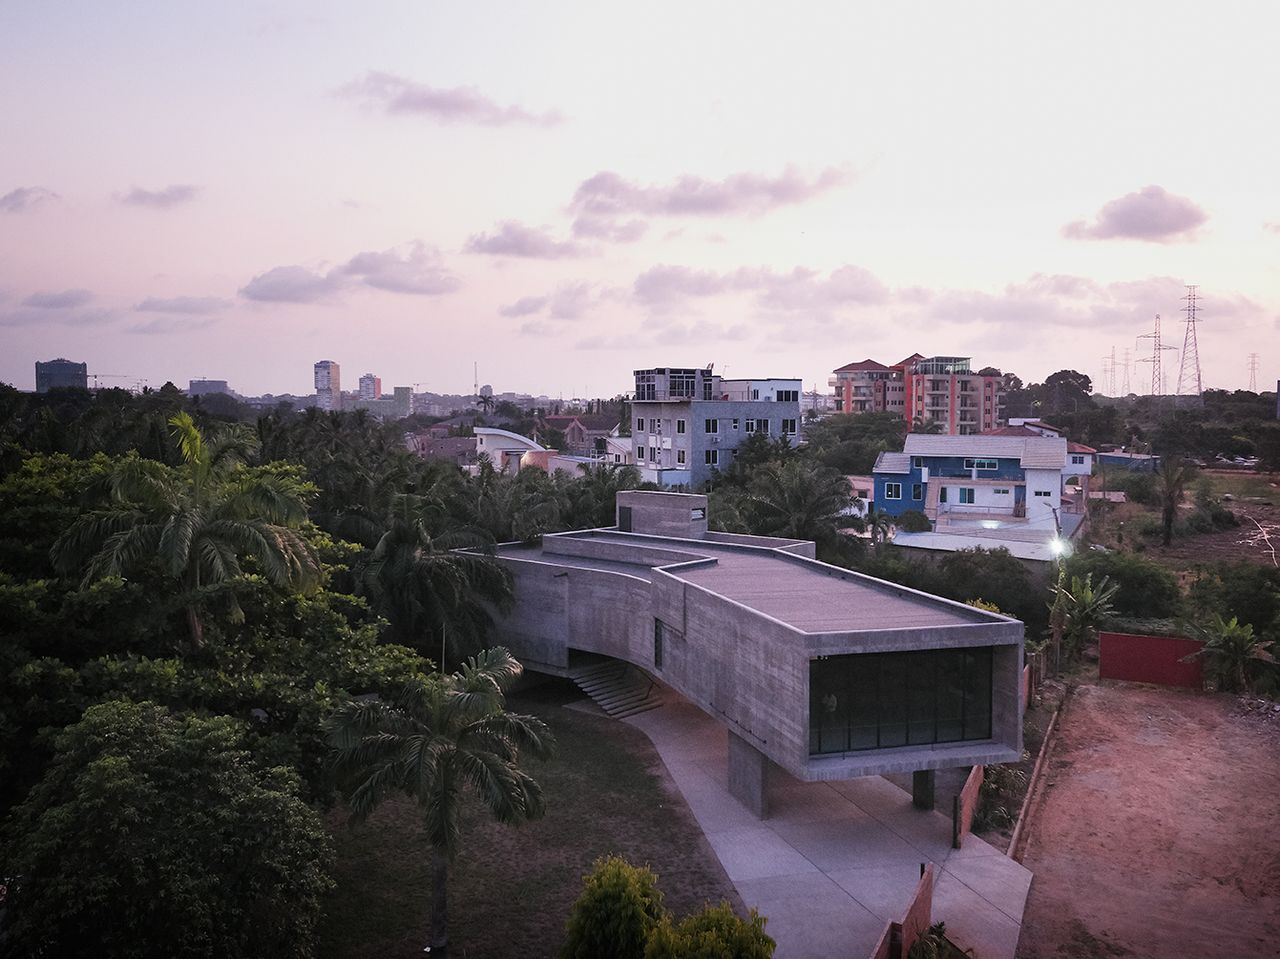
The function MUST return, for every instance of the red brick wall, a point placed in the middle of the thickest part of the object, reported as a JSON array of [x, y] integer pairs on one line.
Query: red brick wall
[[920, 912], [965, 806], [1149, 659], [898, 937]]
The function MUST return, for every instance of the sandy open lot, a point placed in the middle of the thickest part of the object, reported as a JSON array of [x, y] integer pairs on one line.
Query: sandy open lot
[[1158, 830]]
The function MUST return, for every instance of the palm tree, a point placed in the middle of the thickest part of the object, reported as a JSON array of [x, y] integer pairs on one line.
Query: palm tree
[[435, 590], [442, 734], [485, 403], [878, 524], [798, 500], [1174, 476], [1234, 656], [598, 489], [196, 522]]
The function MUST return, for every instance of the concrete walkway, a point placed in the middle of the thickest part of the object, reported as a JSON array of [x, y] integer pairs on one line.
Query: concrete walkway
[[835, 861]]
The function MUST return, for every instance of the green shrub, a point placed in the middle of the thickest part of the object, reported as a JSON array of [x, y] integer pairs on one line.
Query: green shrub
[[716, 932], [616, 914], [913, 521], [1147, 589]]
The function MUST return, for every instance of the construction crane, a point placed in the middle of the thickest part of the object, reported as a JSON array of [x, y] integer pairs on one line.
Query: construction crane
[[138, 382]]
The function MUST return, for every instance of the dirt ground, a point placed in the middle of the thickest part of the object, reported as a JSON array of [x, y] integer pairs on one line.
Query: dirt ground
[[1157, 832]]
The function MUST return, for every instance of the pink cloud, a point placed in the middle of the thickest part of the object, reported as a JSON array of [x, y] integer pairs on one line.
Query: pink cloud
[[397, 95], [515, 239], [1152, 214], [24, 199]]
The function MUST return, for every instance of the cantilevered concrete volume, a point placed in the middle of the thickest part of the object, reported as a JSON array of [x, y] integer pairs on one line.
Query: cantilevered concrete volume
[[827, 673]]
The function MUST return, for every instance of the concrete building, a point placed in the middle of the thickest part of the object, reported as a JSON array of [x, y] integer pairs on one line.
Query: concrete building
[[820, 671], [61, 374], [688, 422], [206, 387], [328, 380], [933, 389], [370, 387]]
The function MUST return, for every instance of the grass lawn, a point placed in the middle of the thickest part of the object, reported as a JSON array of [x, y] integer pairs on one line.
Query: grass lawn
[[1245, 485], [511, 888]]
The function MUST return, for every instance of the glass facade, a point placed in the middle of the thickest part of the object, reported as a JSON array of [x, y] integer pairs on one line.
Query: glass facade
[[885, 700]]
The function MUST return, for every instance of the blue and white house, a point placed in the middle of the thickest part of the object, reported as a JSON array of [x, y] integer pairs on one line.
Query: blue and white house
[[1010, 486]]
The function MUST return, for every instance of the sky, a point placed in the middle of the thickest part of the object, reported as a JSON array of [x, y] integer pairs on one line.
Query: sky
[[562, 193]]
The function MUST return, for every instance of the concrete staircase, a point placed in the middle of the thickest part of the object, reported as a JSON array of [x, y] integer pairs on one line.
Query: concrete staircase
[[616, 687]]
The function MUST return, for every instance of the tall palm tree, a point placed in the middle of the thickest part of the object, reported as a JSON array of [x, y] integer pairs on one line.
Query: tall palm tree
[[798, 500], [197, 523], [431, 591], [1171, 483], [442, 735]]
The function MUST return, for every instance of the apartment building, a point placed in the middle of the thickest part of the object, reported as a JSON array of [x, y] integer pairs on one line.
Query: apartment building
[[370, 387], [328, 380], [61, 374], [688, 422], [925, 389]]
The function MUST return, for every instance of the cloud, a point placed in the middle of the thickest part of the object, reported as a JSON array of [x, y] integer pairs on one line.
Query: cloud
[[525, 306], [25, 199], [169, 324], [801, 290], [516, 239], [1273, 226], [603, 228], [418, 271], [603, 200], [44, 316], [397, 95], [172, 195], [291, 284], [62, 300], [1152, 214], [608, 194], [189, 305]]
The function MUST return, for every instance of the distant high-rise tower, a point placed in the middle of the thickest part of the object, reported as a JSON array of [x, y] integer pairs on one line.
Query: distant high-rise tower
[[60, 373], [1189, 383], [328, 385], [370, 387]]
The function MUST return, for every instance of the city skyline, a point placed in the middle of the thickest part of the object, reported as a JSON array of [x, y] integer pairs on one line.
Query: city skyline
[[234, 192]]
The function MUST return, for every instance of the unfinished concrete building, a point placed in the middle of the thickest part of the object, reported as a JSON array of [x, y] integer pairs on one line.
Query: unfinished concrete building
[[819, 671]]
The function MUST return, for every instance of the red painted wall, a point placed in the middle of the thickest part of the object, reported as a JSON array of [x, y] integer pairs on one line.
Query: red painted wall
[[1149, 659]]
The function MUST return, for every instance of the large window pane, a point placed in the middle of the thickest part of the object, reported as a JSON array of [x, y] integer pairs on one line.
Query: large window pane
[[893, 700], [950, 695], [885, 700], [977, 696], [920, 699]]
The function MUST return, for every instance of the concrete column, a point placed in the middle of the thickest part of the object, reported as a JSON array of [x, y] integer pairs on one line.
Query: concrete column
[[749, 775], [922, 783]]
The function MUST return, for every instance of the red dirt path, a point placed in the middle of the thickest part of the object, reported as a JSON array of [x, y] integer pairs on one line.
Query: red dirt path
[[1157, 829]]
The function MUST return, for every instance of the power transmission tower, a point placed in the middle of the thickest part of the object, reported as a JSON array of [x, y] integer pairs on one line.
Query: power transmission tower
[[1189, 383], [1253, 372], [1111, 370], [1157, 347], [1125, 388]]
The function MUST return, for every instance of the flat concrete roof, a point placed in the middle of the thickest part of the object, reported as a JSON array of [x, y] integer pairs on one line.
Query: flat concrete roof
[[809, 596]]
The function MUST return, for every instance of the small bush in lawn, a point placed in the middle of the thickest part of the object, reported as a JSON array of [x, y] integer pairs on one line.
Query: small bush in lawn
[[616, 914], [717, 932]]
